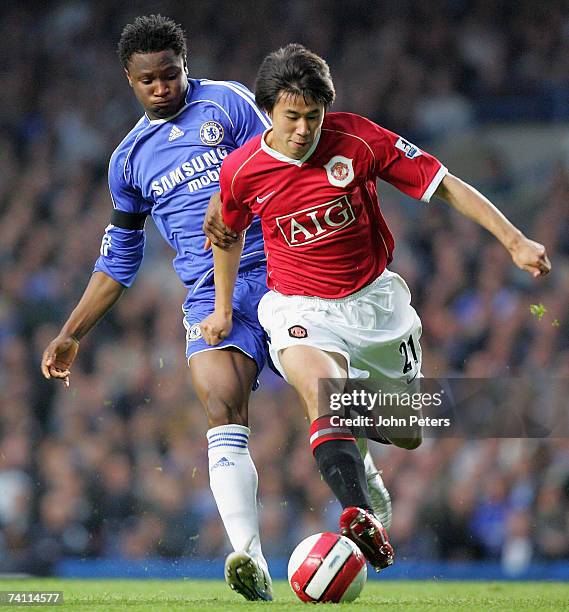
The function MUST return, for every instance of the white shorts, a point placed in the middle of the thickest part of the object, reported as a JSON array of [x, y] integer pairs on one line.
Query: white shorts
[[376, 329]]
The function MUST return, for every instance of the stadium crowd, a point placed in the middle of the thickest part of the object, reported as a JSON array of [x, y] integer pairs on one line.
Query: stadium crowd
[[117, 464]]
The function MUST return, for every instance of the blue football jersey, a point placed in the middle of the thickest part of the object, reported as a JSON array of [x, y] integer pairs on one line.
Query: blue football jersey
[[169, 168]]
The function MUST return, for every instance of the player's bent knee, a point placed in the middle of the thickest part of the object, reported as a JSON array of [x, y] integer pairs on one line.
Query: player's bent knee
[[316, 397], [222, 412], [408, 443]]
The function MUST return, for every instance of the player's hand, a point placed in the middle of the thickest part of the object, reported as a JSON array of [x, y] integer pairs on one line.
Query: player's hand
[[216, 231], [216, 327], [531, 257], [58, 357]]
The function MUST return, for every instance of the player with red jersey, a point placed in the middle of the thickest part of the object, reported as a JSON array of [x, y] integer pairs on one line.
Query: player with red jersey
[[334, 311], [323, 229]]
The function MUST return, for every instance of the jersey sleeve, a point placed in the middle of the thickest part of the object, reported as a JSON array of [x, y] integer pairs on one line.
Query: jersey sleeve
[[402, 164], [122, 247], [235, 213], [247, 119]]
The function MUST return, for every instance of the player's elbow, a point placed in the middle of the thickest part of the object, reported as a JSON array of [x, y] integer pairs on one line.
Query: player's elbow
[[449, 188]]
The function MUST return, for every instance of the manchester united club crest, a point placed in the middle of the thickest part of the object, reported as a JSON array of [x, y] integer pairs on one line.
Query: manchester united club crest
[[340, 171], [211, 133], [297, 331]]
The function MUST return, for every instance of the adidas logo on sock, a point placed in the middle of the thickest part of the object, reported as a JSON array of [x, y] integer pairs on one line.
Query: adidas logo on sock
[[175, 132], [223, 462]]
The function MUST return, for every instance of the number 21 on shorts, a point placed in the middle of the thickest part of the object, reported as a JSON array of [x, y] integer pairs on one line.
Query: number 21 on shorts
[[407, 350]]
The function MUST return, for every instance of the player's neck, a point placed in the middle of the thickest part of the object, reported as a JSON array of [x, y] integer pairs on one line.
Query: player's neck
[[272, 143], [280, 151], [270, 139]]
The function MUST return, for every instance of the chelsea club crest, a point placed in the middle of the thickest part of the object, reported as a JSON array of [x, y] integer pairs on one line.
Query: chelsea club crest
[[211, 133], [194, 332]]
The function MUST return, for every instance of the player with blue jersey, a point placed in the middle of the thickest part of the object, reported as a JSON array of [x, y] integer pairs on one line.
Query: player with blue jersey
[[167, 167]]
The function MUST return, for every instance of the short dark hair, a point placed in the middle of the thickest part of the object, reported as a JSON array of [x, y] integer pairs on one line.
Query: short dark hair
[[293, 70], [150, 34]]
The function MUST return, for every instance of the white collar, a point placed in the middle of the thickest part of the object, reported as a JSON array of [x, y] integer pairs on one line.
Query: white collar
[[284, 158]]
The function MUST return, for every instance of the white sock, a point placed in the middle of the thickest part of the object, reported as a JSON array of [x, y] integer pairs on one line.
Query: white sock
[[233, 480]]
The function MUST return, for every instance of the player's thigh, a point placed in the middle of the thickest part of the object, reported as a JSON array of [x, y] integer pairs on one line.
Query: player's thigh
[[291, 321], [250, 287], [224, 376], [391, 352], [223, 380], [315, 374], [390, 348], [246, 335]]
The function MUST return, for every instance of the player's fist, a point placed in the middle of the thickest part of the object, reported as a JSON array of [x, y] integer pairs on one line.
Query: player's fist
[[531, 257], [216, 327], [58, 357]]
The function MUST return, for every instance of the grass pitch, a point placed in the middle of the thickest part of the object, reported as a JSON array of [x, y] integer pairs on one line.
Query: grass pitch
[[214, 595]]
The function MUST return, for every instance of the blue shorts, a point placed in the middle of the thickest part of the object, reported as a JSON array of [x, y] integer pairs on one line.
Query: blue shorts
[[247, 334]]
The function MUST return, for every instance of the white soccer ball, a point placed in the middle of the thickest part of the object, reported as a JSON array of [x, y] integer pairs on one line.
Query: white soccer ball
[[327, 567]]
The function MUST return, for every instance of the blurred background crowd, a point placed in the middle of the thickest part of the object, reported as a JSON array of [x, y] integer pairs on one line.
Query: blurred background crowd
[[116, 465]]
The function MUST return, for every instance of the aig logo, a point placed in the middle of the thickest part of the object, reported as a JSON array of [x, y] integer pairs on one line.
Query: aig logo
[[315, 223]]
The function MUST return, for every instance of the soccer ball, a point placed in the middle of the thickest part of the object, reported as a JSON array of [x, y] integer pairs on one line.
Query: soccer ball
[[327, 567]]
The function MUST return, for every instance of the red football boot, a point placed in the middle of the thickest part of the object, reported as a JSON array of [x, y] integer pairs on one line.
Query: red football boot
[[368, 533]]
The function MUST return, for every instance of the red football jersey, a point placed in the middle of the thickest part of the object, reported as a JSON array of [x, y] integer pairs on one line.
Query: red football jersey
[[324, 232]]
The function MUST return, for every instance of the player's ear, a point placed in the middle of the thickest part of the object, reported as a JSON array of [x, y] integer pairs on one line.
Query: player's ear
[[186, 64], [128, 76]]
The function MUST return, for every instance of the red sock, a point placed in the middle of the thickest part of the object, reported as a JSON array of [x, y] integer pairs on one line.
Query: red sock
[[340, 462], [322, 430]]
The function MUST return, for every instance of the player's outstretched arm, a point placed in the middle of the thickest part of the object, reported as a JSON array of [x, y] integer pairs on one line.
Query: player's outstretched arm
[[526, 254], [218, 325], [214, 228], [99, 296]]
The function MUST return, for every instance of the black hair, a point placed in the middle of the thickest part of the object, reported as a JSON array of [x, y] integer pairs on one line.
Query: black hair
[[150, 34], [293, 70]]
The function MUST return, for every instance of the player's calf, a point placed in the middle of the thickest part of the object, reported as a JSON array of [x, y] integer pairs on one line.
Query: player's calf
[[340, 462]]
